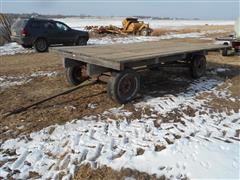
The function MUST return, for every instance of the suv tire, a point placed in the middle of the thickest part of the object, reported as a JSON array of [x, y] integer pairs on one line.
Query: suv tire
[[41, 45], [81, 42]]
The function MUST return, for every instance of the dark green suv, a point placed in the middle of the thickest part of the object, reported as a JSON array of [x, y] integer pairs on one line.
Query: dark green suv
[[41, 33]]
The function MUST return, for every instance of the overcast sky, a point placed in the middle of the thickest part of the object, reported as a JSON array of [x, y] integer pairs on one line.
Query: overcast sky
[[203, 9]]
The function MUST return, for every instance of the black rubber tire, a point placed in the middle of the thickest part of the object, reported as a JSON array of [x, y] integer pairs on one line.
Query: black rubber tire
[[26, 46], [75, 75], [81, 42], [132, 86], [144, 32], [41, 45], [198, 66]]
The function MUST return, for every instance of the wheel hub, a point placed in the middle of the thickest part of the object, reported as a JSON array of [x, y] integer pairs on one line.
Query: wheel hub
[[41, 44], [127, 86], [80, 74]]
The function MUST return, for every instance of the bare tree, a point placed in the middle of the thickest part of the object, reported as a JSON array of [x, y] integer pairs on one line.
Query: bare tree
[[5, 30]]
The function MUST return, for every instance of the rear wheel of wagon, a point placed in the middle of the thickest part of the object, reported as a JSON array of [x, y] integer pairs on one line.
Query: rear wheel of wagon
[[124, 86], [76, 75], [198, 66]]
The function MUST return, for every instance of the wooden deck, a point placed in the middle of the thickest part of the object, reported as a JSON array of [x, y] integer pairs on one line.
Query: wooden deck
[[115, 56]]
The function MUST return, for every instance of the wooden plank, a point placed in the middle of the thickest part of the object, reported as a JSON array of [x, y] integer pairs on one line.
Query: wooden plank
[[115, 53], [150, 52], [88, 59], [114, 50], [162, 53], [121, 54], [115, 56]]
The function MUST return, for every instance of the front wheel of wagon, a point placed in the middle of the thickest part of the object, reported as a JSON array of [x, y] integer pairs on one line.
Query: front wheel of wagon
[[75, 75], [124, 86], [198, 66]]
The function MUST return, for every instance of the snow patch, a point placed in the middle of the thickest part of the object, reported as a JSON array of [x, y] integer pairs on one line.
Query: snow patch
[[44, 73], [134, 39], [9, 81], [218, 70], [167, 103], [13, 48], [200, 146], [192, 159]]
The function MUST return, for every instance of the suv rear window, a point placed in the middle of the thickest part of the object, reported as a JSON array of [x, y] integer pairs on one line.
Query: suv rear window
[[19, 23]]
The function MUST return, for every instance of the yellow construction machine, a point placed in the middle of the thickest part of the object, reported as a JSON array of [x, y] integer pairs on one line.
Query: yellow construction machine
[[129, 26], [136, 27]]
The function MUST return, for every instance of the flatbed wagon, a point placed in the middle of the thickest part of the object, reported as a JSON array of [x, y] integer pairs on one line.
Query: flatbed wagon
[[122, 62]]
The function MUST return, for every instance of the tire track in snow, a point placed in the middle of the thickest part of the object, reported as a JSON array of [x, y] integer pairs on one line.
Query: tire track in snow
[[118, 144]]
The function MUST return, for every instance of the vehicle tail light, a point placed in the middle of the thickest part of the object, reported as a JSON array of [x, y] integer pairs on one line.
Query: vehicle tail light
[[24, 32]]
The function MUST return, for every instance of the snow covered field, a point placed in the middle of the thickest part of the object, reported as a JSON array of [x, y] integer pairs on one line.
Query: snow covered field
[[80, 23], [132, 39], [201, 145]]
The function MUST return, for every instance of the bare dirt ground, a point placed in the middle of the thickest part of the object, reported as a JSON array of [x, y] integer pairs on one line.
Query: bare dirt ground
[[77, 104]]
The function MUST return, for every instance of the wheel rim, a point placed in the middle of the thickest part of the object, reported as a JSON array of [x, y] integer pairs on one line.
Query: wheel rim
[[127, 86], [41, 44], [79, 75], [81, 42], [200, 66], [144, 32]]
